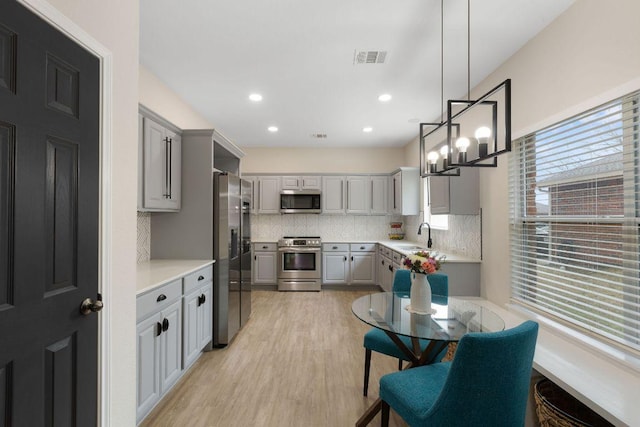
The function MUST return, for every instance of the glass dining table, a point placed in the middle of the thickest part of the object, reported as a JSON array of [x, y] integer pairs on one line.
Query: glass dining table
[[450, 319]]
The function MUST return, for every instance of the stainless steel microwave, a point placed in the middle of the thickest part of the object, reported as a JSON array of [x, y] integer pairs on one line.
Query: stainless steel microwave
[[300, 201]]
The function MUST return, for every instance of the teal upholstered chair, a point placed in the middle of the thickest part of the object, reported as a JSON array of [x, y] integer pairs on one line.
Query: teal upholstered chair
[[486, 384], [377, 340]]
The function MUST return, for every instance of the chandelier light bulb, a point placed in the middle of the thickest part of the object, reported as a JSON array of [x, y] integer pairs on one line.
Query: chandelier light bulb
[[482, 135], [483, 132], [444, 152], [462, 144], [432, 157]]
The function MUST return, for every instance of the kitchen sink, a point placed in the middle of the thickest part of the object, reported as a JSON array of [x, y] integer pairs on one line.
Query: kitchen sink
[[410, 247]]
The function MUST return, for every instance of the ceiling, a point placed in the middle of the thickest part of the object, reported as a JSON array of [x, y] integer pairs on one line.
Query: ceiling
[[300, 56]]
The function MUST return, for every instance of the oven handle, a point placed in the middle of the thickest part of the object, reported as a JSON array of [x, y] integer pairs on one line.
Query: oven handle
[[299, 249]]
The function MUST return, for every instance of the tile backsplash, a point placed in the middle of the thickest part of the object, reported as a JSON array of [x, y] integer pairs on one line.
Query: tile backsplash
[[144, 236], [462, 237], [328, 227]]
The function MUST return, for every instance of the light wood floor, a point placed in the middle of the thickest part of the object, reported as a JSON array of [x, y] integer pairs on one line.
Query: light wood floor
[[298, 362]]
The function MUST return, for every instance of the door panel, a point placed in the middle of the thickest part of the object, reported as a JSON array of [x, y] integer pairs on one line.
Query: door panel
[[7, 160], [59, 390], [49, 206], [61, 208]]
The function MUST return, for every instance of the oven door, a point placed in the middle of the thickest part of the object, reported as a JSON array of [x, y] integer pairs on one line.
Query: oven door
[[299, 263]]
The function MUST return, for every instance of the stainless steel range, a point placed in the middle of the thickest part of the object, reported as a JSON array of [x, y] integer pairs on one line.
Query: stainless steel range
[[299, 264]]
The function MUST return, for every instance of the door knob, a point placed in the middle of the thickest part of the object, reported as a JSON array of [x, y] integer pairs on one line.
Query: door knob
[[89, 306]]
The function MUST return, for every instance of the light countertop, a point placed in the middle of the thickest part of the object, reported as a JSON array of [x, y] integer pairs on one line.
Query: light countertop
[[401, 246], [156, 272]]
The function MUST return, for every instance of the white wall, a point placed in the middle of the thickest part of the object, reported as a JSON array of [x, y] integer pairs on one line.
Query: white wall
[[115, 25], [155, 95], [320, 160], [585, 57]]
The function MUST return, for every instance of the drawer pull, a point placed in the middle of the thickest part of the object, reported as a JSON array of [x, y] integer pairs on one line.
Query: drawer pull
[[335, 247], [161, 297], [200, 278], [361, 247], [165, 325], [265, 247]]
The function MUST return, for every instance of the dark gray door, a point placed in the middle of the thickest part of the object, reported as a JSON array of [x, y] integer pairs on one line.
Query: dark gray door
[[49, 202]]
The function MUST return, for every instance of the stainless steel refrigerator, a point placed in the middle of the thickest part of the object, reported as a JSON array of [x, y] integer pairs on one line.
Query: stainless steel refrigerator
[[232, 252], [211, 224]]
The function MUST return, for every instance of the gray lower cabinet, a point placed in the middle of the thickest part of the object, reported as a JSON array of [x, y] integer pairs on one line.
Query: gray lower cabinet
[[159, 344], [386, 268], [349, 263], [363, 263], [265, 264], [174, 324], [335, 263], [197, 314]]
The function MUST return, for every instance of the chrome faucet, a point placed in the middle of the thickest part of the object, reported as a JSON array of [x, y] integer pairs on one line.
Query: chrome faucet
[[429, 242]]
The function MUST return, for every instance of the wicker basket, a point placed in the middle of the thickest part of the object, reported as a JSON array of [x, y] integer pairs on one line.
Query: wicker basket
[[557, 408]]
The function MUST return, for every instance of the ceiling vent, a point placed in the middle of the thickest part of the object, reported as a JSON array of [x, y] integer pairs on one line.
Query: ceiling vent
[[319, 135], [369, 57]]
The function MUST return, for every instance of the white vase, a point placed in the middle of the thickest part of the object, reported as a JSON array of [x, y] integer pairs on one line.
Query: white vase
[[420, 293]]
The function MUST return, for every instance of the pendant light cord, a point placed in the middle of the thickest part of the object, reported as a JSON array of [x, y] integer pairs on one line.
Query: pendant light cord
[[469, 50], [441, 60]]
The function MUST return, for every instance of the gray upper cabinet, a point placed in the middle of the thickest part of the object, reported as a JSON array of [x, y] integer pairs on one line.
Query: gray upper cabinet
[[456, 195], [269, 195], [358, 195], [333, 195], [379, 185], [405, 191], [160, 162], [301, 182]]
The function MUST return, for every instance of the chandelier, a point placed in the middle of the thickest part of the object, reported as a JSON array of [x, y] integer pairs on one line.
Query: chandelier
[[475, 131]]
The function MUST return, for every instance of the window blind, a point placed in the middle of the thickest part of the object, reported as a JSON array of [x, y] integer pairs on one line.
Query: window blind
[[574, 193]]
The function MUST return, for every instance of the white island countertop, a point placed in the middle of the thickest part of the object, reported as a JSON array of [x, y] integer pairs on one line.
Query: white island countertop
[[156, 272]]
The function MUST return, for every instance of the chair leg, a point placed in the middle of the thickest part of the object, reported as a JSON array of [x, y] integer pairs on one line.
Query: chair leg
[[367, 365], [384, 417], [399, 364]]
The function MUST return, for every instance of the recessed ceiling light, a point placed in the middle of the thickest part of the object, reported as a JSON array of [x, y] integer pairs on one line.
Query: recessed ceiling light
[[255, 97], [385, 97], [272, 129], [367, 129]]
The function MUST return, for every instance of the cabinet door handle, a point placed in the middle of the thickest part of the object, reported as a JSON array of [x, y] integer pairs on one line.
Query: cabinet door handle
[[390, 268], [255, 257], [345, 258], [200, 278], [158, 329], [161, 297], [165, 325], [170, 167], [166, 167], [351, 258], [203, 299], [382, 262]]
